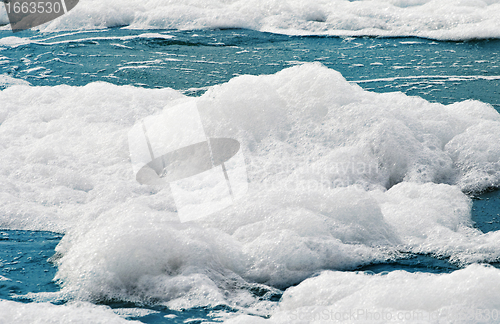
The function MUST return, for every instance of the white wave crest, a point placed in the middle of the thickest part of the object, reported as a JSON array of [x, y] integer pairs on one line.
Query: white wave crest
[[436, 19]]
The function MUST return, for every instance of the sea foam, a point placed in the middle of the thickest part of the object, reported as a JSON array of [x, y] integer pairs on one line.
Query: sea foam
[[22, 313], [338, 177], [437, 19], [469, 295]]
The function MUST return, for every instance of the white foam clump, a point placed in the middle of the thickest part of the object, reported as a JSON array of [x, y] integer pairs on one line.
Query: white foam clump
[[22, 313], [338, 177], [6, 81], [470, 295], [57, 143], [437, 19]]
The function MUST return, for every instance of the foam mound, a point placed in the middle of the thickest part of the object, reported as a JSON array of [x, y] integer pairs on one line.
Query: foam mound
[[14, 312], [338, 177], [437, 19], [464, 296]]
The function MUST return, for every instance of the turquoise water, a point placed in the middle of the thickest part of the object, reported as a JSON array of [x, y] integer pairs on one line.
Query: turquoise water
[[191, 61], [24, 261]]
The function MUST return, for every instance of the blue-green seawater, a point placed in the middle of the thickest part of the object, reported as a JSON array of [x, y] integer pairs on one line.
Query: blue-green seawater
[[191, 61]]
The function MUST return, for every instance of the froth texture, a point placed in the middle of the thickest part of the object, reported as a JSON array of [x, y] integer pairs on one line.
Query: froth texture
[[14, 312], [338, 177], [438, 19], [469, 295]]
